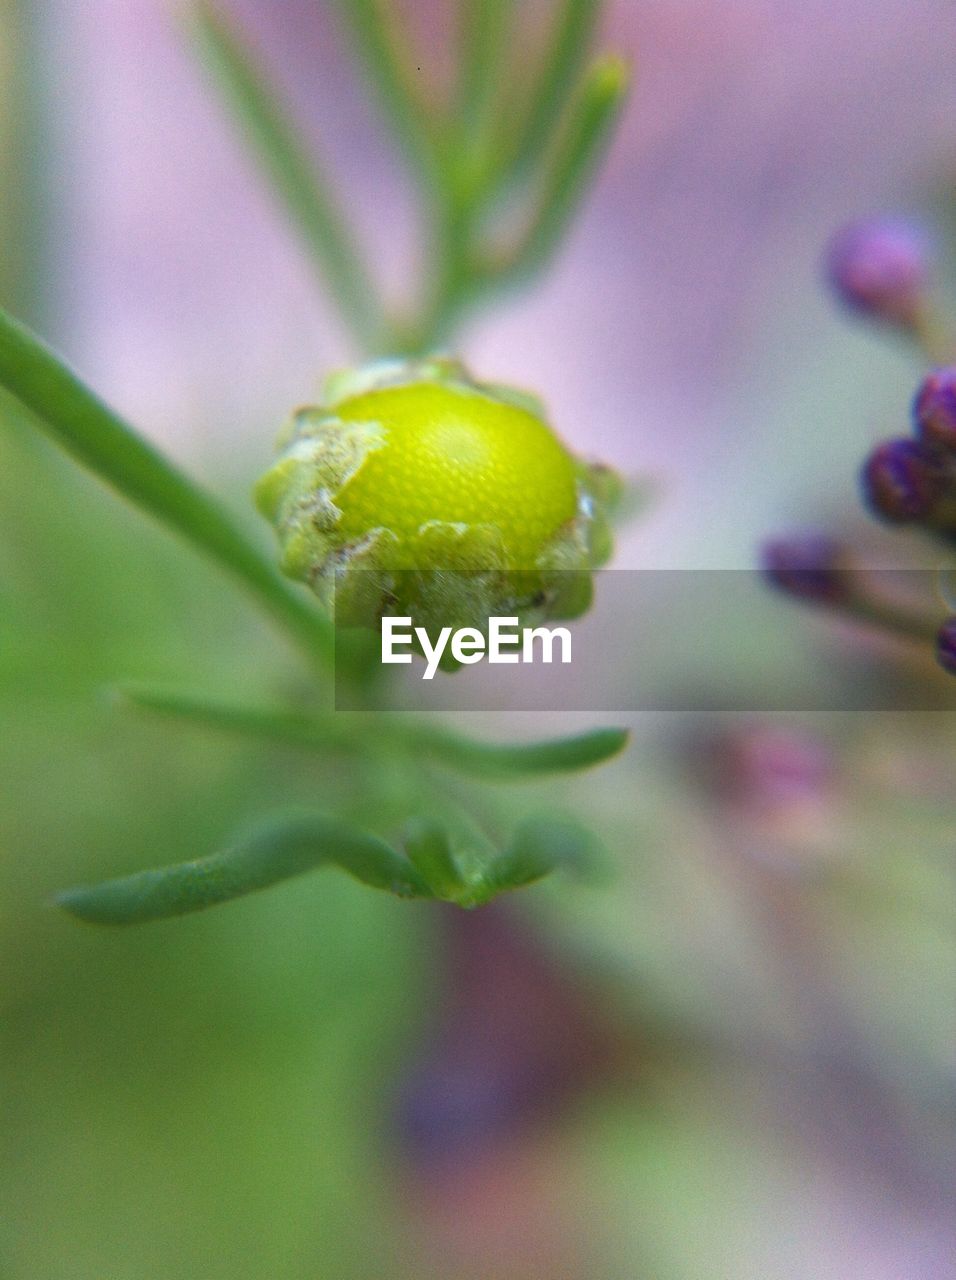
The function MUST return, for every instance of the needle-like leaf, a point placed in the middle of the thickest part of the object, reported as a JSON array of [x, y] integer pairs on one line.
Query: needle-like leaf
[[428, 846], [539, 846], [564, 57], [586, 135], [492, 760], [501, 761], [272, 724], [296, 177], [485, 27], [379, 44], [284, 848], [101, 441]]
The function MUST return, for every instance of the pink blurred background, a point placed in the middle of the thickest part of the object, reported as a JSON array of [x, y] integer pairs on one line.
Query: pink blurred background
[[688, 293]]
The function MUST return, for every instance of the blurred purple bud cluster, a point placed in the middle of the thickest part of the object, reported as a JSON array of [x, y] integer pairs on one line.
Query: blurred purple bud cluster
[[913, 480], [879, 267], [777, 786]]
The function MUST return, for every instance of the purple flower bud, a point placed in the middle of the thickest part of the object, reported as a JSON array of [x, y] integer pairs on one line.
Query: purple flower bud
[[946, 646], [934, 409], [807, 565], [879, 267], [902, 481]]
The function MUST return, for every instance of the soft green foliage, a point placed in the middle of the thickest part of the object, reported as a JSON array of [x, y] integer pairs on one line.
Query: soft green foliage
[[470, 174], [561, 67], [86, 428], [284, 848]]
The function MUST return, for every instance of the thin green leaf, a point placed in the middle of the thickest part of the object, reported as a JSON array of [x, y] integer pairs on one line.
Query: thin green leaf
[[101, 441], [538, 847], [460, 865], [465, 755], [485, 26], [380, 45], [273, 724], [515, 760], [296, 177], [278, 851], [564, 57], [579, 150]]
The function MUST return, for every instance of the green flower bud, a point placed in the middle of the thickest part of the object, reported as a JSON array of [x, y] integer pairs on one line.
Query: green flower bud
[[413, 490]]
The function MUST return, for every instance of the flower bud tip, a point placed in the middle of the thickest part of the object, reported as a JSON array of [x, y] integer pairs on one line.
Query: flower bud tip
[[902, 481], [934, 409], [807, 566], [879, 267]]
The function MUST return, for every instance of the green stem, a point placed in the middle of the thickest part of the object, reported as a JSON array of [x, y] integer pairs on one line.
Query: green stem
[[296, 178], [485, 26], [464, 279], [454, 278], [292, 728], [101, 441]]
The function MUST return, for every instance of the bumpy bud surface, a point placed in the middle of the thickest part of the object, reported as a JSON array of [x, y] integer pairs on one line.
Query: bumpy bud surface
[[411, 489]]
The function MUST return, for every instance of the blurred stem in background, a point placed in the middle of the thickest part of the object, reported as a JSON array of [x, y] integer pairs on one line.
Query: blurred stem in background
[[298, 180], [469, 157], [24, 202]]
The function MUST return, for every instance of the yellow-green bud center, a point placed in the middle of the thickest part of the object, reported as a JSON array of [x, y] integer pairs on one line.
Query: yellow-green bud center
[[455, 455]]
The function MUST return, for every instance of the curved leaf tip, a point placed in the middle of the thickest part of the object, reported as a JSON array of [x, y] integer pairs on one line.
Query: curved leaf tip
[[282, 849]]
